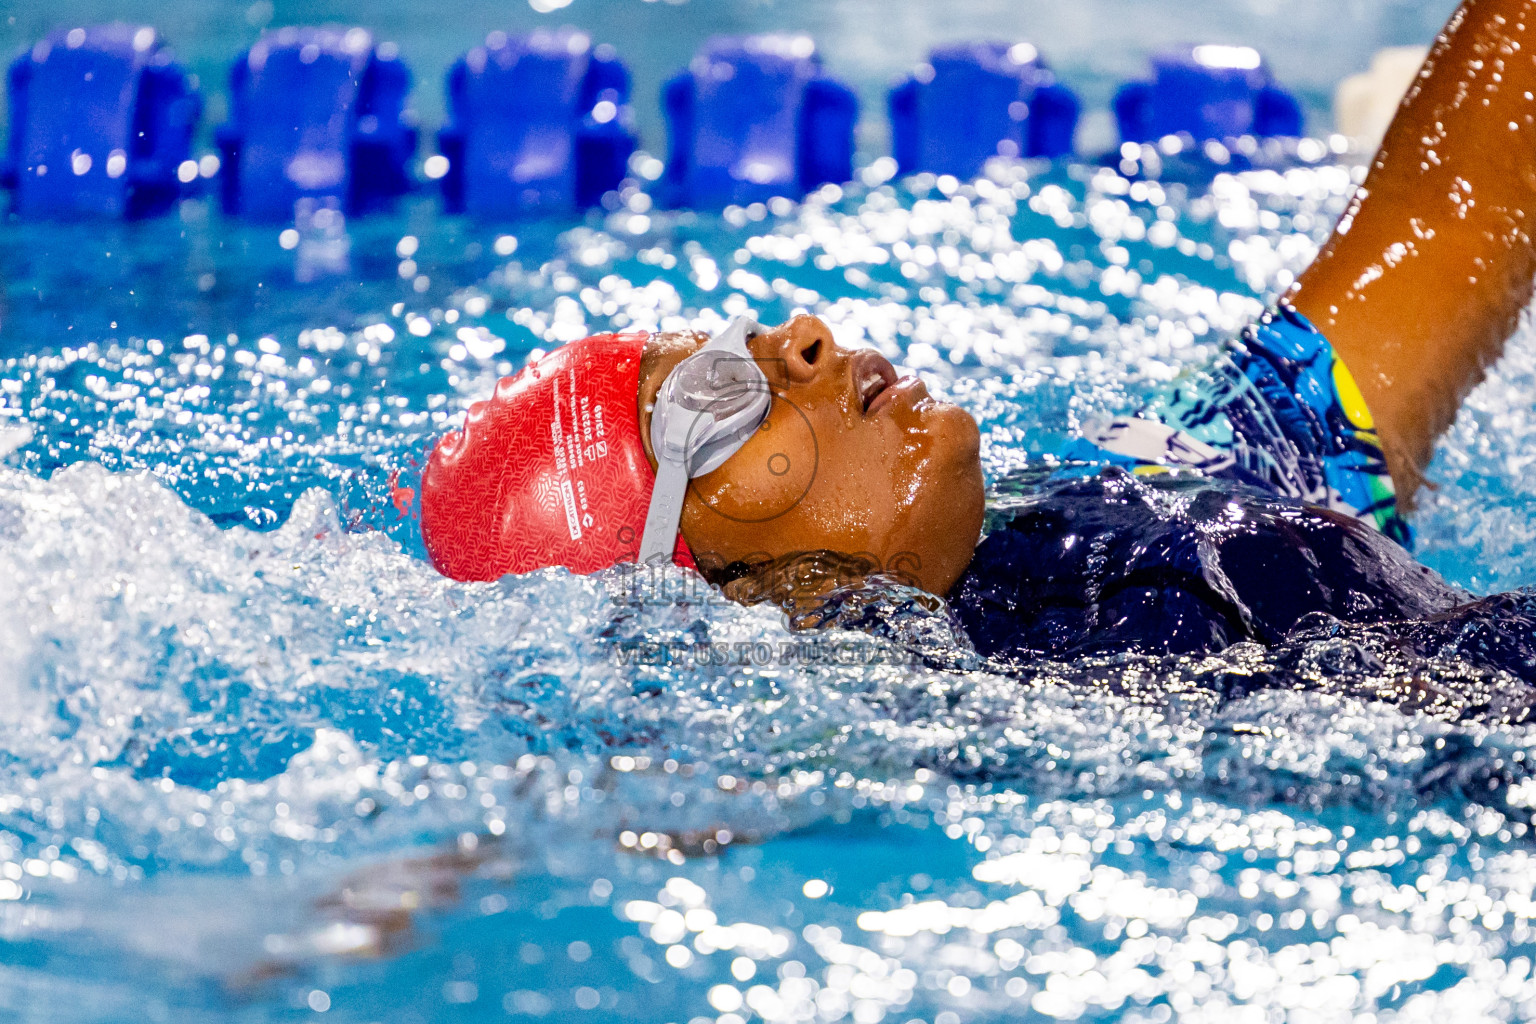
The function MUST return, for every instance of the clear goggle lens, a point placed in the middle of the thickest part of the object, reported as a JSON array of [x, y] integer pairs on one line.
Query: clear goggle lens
[[706, 409]]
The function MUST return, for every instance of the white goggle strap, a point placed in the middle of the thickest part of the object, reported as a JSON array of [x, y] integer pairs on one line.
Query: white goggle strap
[[666, 512], [689, 440]]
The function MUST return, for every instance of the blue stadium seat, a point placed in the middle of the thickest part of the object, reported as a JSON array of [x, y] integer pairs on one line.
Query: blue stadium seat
[[755, 117], [319, 114], [537, 123], [974, 101], [101, 120], [1206, 92]]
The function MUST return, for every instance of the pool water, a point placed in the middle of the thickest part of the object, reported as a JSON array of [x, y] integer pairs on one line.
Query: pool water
[[259, 762]]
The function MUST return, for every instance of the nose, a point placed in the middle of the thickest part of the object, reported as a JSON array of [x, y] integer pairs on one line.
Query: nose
[[799, 350]]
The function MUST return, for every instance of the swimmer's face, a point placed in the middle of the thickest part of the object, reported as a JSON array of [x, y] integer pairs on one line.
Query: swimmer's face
[[851, 459]]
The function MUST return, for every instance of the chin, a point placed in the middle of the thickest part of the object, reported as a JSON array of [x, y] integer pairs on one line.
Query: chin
[[956, 433], [970, 483], [957, 440]]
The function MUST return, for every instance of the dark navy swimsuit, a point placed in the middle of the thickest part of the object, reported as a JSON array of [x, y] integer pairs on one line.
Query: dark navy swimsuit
[[1173, 564], [1246, 495]]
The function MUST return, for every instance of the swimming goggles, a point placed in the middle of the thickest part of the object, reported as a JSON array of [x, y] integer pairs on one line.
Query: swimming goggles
[[706, 409]]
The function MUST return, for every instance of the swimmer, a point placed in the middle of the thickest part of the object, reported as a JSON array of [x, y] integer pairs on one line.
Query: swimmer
[[1248, 494]]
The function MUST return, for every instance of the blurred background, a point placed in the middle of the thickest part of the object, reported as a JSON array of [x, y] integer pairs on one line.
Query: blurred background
[[1310, 44]]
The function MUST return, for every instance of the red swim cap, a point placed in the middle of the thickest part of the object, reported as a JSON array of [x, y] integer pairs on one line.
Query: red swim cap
[[550, 471]]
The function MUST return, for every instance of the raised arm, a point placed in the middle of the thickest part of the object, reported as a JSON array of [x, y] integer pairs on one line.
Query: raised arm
[[1428, 270]]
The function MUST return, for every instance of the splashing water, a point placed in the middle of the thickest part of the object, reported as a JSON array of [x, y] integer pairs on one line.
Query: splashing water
[[258, 761]]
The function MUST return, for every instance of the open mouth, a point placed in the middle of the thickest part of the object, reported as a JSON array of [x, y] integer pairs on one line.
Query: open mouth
[[872, 375]]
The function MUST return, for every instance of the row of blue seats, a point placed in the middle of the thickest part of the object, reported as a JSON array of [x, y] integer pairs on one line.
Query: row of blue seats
[[102, 120]]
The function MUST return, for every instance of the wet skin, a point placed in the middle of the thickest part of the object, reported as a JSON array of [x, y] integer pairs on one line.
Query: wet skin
[[851, 459], [1429, 269]]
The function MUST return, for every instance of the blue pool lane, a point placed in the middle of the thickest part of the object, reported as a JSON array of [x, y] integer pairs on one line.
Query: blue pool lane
[[320, 122]]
